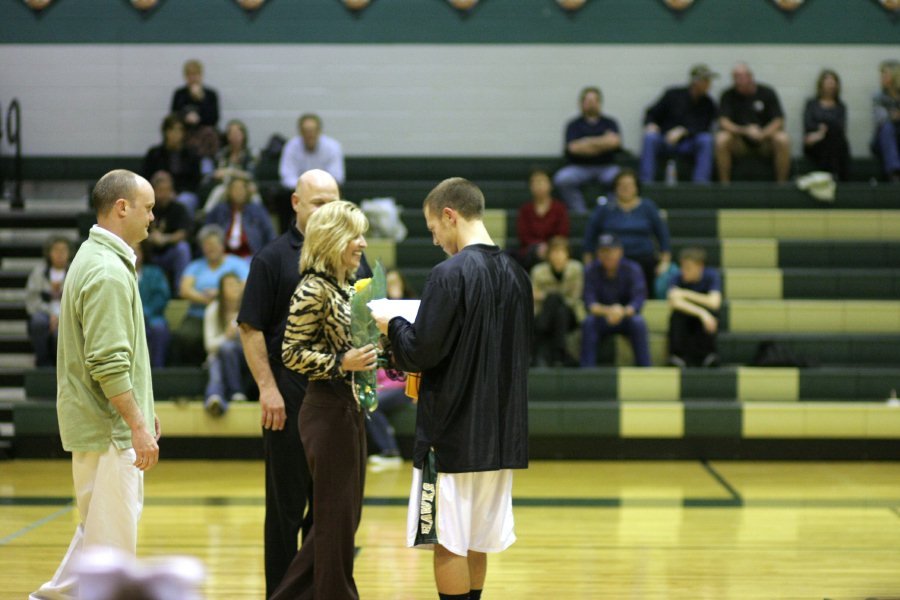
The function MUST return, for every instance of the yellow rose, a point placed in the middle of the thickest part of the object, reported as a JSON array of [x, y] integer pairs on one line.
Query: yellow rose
[[362, 284]]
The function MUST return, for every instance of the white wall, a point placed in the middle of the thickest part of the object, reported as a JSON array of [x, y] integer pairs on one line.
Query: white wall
[[395, 100]]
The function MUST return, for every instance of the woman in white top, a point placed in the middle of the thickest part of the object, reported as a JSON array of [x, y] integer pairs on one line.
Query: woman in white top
[[43, 291]]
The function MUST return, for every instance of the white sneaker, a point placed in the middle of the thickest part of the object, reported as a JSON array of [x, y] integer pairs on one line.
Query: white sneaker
[[239, 397]]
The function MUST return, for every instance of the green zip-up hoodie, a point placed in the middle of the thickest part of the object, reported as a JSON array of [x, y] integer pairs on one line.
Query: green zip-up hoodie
[[102, 348]]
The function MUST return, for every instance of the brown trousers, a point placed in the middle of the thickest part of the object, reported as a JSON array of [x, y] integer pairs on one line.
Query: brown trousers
[[332, 429]]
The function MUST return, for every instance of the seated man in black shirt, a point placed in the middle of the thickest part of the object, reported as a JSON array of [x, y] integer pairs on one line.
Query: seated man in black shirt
[[751, 119], [169, 231], [680, 123]]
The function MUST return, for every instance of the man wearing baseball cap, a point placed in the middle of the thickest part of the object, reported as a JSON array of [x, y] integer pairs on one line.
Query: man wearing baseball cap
[[680, 124], [614, 293]]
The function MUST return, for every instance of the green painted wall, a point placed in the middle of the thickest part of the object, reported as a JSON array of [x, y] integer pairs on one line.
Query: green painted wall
[[434, 21]]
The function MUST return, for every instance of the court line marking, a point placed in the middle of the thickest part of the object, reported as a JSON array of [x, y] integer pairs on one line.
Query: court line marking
[[523, 502], [31, 527], [735, 495]]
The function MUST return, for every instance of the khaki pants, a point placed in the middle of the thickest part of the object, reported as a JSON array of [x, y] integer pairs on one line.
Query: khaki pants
[[109, 493]]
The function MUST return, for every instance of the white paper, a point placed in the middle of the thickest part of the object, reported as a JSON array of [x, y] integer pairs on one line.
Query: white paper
[[408, 309]]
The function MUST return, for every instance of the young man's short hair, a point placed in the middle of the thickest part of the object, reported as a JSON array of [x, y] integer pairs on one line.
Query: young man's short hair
[[697, 255], [457, 193]]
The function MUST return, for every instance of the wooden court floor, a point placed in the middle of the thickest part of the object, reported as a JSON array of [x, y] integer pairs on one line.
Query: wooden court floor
[[635, 530]]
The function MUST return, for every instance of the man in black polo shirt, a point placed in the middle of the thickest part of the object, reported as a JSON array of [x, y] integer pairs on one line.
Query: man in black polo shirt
[[751, 119], [274, 274]]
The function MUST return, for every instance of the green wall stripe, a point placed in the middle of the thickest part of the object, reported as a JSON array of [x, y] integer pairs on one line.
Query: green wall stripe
[[435, 22]]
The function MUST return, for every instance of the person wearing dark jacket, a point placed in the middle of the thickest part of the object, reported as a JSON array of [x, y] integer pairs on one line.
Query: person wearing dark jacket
[[680, 123], [247, 226], [470, 341]]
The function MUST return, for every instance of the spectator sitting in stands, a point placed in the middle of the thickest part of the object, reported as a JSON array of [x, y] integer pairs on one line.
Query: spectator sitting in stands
[[43, 292], [235, 159], [174, 157], [637, 224], [198, 107], [169, 231], [592, 141], [246, 225], [539, 220], [391, 393], [886, 115], [225, 355], [614, 293], [680, 123], [695, 297], [200, 285], [751, 119], [825, 127], [155, 295], [310, 149], [558, 286]]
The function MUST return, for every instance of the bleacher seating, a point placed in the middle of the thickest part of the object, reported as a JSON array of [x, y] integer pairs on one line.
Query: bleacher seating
[[822, 279]]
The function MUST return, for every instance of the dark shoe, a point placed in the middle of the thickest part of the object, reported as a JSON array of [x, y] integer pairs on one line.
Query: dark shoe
[[677, 361], [214, 405]]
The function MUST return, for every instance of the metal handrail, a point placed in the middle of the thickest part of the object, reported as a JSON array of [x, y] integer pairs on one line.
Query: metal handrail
[[13, 134]]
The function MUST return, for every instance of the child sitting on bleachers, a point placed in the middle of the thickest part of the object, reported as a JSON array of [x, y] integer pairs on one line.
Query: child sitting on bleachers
[[695, 297]]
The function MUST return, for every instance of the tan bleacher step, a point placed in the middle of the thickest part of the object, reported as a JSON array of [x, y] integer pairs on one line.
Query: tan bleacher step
[[18, 360], [36, 236], [753, 283], [189, 419], [12, 295], [12, 394], [870, 420], [17, 327], [810, 224], [795, 316], [814, 316], [20, 263]]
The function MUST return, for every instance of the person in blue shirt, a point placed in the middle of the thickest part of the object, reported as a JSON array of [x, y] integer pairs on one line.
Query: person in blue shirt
[[153, 286], [695, 297], [636, 222], [200, 285], [592, 141], [614, 293]]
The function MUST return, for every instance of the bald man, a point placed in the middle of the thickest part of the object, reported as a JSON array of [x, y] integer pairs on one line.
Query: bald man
[[751, 120], [104, 395], [274, 274]]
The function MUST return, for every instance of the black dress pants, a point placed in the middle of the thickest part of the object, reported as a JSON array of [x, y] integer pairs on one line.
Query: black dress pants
[[288, 495]]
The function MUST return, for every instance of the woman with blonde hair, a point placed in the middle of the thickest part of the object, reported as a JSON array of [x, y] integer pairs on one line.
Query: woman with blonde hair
[[317, 344]]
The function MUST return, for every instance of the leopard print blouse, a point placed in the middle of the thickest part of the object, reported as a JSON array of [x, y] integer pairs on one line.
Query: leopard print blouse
[[317, 333]]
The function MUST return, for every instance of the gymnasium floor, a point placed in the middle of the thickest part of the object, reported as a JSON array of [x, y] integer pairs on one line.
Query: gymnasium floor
[[636, 530]]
